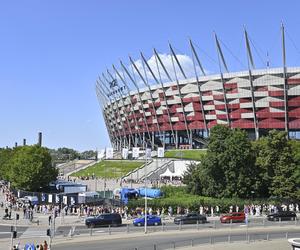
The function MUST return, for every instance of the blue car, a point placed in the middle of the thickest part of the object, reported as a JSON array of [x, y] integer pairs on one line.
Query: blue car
[[152, 220]]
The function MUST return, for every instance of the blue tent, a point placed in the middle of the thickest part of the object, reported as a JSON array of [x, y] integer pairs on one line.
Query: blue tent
[[127, 193], [150, 192]]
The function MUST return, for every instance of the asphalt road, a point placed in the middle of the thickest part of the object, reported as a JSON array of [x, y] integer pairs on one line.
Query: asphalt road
[[81, 229], [5, 231], [168, 241], [169, 225]]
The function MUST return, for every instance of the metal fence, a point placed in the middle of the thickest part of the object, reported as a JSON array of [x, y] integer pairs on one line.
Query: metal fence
[[224, 239], [213, 232]]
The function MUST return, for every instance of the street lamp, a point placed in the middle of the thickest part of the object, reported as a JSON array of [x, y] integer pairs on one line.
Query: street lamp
[[147, 155]]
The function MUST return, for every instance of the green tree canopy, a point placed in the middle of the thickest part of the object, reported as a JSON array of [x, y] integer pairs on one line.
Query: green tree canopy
[[30, 168], [228, 169], [235, 167], [278, 164], [5, 156]]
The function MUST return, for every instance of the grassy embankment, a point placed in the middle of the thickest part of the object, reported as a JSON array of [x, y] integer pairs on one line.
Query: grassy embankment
[[110, 169], [191, 154]]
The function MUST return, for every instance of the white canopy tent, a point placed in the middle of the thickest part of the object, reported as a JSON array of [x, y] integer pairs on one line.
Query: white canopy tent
[[168, 174]]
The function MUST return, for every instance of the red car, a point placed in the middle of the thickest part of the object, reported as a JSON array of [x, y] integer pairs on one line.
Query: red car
[[234, 217]]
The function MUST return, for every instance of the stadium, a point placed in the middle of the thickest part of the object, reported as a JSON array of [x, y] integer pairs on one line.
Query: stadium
[[178, 111]]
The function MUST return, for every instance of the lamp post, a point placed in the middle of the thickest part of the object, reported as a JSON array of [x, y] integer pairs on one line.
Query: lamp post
[[147, 154]]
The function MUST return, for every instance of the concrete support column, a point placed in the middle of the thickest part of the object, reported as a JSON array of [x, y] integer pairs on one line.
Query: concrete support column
[[153, 135]]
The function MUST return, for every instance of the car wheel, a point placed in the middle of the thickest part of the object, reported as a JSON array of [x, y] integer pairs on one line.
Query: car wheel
[[92, 225], [139, 224], [155, 223]]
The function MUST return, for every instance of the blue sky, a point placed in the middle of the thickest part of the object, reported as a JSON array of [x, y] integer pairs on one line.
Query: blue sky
[[52, 51]]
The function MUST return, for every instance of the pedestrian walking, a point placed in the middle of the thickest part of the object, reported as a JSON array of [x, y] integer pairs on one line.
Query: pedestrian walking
[[45, 246], [50, 219]]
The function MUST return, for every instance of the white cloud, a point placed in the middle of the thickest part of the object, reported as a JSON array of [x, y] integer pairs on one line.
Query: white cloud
[[184, 60]]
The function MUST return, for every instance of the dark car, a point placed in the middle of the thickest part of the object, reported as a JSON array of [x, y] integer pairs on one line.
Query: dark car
[[103, 220], [282, 215], [233, 217], [190, 218], [152, 220]]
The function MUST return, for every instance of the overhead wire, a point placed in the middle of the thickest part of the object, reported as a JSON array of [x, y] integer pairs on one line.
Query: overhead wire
[[229, 50], [208, 56], [293, 43], [256, 50]]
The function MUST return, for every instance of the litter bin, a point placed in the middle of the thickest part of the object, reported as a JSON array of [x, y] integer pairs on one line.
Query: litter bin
[[295, 243]]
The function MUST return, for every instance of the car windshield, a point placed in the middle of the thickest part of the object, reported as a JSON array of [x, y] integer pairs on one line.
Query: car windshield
[[192, 215]]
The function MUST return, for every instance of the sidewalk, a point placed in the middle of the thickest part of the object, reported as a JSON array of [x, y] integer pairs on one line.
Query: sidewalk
[[261, 245]]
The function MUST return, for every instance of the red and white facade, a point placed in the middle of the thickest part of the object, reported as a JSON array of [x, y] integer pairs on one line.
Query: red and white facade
[[179, 114]]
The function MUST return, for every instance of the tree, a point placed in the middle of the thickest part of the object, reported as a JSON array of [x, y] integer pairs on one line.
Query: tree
[[88, 154], [227, 170], [241, 174], [5, 156], [30, 168], [295, 145], [192, 179], [278, 165]]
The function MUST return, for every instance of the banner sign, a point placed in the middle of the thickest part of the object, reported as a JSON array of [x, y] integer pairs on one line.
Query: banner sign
[[101, 154], [57, 199], [135, 152], [109, 153], [65, 200], [148, 153], [50, 198], [43, 197], [125, 153], [160, 152]]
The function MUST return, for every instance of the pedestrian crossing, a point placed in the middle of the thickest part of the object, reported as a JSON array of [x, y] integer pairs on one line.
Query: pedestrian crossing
[[31, 232]]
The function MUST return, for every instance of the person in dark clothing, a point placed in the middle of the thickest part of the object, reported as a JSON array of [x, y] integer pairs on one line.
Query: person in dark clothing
[[50, 219]]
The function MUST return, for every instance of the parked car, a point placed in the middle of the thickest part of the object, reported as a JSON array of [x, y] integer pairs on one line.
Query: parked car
[[282, 215], [190, 218], [103, 220], [233, 217], [152, 220]]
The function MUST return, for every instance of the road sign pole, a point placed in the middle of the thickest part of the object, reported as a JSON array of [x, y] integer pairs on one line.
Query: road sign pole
[[145, 214]]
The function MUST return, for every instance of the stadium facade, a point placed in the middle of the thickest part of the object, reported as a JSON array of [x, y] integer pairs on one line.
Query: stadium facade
[[180, 112]]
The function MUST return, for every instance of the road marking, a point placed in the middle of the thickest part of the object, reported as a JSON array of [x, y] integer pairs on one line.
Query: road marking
[[5, 232], [99, 231], [32, 232]]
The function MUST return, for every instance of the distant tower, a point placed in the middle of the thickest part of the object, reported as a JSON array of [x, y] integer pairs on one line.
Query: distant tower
[[24, 142], [40, 139], [16, 144]]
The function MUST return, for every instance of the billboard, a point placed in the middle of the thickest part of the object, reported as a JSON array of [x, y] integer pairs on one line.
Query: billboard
[[109, 153]]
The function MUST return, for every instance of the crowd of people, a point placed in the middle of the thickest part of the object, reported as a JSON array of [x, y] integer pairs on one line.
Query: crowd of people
[[31, 246], [11, 203]]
